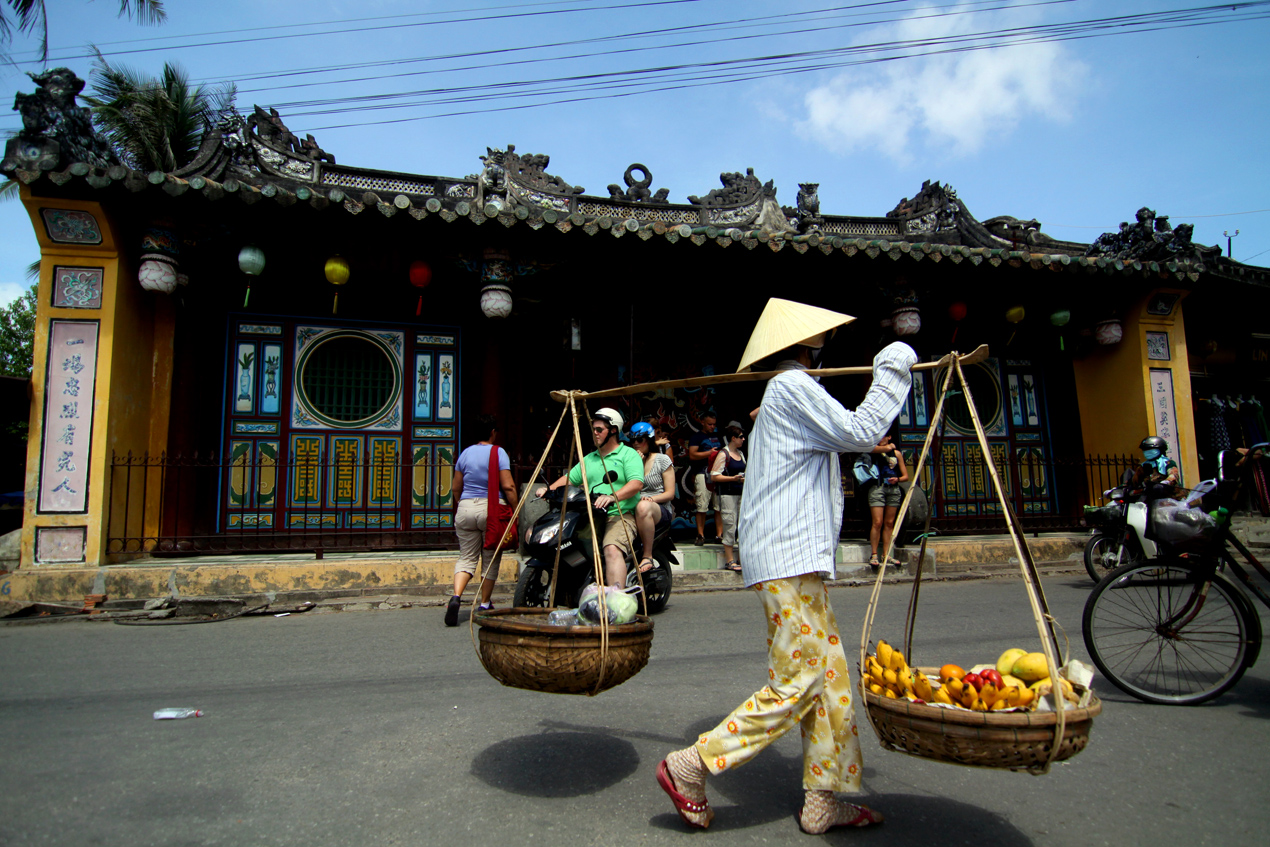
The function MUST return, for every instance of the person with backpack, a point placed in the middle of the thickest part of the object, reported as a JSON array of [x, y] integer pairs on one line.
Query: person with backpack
[[880, 474], [727, 474]]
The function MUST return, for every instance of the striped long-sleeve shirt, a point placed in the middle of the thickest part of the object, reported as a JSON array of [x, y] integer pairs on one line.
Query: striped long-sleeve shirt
[[791, 511]]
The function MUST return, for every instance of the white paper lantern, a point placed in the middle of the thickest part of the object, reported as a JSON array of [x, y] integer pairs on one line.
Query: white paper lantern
[[157, 273], [1108, 332], [496, 301], [906, 321]]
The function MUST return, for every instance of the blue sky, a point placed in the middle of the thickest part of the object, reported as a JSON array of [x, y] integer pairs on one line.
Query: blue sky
[[1077, 133]]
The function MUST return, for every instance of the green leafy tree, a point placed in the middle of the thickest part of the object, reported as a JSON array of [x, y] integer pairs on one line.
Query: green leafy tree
[[31, 16], [17, 334], [154, 124]]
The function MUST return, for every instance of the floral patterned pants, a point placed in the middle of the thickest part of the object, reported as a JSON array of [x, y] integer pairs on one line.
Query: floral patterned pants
[[809, 686]]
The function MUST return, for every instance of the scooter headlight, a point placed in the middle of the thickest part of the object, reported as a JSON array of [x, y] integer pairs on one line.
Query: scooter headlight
[[547, 534]]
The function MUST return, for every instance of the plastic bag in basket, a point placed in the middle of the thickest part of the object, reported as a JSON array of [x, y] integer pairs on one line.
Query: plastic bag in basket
[[621, 607], [1173, 522]]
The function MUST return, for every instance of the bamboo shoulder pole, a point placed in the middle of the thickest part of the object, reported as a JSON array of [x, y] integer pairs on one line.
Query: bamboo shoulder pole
[[976, 355]]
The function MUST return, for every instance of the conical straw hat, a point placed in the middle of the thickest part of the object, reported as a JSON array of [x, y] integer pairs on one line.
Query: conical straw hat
[[785, 323]]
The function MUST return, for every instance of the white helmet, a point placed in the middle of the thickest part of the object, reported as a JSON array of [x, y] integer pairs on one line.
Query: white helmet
[[612, 417]]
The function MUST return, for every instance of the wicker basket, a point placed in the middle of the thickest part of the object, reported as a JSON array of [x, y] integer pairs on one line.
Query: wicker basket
[[1012, 740], [520, 650]]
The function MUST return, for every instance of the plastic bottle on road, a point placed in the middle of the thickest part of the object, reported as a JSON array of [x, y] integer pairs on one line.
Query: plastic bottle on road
[[174, 714]]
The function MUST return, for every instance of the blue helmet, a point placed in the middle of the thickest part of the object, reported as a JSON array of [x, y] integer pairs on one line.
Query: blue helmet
[[642, 428]]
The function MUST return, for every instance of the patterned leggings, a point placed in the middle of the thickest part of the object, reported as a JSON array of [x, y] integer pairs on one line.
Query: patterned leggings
[[809, 685]]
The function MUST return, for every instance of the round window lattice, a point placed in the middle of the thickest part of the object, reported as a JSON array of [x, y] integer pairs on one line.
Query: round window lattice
[[348, 379], [986, 389]]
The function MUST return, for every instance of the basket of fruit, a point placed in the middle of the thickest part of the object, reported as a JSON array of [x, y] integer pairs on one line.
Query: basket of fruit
[[984, 718], [1024, 713]]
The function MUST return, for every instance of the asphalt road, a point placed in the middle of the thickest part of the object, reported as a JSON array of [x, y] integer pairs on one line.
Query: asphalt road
[[381, 727]]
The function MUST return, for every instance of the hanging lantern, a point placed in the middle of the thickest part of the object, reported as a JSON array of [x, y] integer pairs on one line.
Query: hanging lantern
[[1108, 332], [337, 273], [906, 320], [496, 301], [956, 311], [420, 276], [251, 261], [1060, 319], [1015, 315], [157, 273]]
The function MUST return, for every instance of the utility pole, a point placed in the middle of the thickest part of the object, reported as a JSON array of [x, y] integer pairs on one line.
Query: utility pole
[[1228, 238]]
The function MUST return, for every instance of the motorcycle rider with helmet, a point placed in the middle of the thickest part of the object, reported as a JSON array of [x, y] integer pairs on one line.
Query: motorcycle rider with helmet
[[1157, 475], [618, 493]]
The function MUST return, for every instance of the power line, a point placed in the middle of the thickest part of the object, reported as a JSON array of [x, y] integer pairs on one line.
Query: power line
[[743, 23], [1015, 36]]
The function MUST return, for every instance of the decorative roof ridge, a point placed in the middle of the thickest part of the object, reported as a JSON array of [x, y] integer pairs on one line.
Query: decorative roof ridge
[[451, 209]]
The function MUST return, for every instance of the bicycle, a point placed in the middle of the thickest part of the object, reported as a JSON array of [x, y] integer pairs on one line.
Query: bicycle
[[1177, 629]]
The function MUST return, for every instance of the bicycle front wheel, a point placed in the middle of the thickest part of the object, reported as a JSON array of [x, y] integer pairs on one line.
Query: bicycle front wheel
[[1155, 633]]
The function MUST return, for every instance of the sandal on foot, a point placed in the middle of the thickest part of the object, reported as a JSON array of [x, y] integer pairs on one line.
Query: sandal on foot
[[894, 561], [646, 561], [873, 560], [733, 566], [683, 805], [841, 816]]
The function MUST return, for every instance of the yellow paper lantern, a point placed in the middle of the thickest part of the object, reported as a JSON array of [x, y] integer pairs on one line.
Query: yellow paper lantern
[[337, 273], [1014, 315]]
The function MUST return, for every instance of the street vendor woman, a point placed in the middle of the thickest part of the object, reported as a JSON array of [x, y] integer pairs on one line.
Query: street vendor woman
[[616, 473], [789, 523]]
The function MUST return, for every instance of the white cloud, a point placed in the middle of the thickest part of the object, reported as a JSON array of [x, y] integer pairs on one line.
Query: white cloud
[[955, 102]]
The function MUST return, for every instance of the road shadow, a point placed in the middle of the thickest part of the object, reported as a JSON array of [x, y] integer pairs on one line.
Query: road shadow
[[1250, 694], [556, 764], [769, 789]]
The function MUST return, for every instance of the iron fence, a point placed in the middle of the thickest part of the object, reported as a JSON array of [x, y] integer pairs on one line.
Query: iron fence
[[186, 505]]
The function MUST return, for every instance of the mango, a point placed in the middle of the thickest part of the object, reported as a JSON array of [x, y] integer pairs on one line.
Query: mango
[[1030, 667], [1006, 663]]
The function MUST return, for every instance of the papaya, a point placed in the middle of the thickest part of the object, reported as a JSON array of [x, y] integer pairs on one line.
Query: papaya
[[1006, 663], [1030, 667]]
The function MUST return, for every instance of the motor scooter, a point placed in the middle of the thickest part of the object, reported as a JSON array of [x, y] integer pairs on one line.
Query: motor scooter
[[1122, 537], [577, 567]]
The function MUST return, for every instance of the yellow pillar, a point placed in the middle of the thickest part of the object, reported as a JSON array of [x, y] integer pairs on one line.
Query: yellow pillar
[[1141, 386], [101, 381]]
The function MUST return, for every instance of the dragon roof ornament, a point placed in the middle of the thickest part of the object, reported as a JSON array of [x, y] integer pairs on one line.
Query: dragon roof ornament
[[1151, 238], [54, 128]]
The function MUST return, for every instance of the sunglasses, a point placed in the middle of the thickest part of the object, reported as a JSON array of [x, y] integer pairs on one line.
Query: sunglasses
[[599, 429]]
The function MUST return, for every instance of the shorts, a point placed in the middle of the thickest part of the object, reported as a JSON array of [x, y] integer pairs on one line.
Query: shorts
[[880, 495], [731, 504], [666, 515], [469, 526], [707, 500], [616, 536]]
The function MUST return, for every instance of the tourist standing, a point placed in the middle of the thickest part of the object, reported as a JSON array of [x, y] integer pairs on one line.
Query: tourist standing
[[728, 476], [700, 445], [471, 480]]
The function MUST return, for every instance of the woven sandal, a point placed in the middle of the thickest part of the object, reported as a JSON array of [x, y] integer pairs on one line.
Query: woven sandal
[[683, 805], [873, 560], [733, 566]]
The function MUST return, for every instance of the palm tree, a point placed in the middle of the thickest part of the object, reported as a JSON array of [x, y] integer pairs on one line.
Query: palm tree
[[31, 15], [154, 124]]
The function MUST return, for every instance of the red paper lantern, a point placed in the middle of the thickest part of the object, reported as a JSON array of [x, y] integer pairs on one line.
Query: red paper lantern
[[956, 311], [420, 276]]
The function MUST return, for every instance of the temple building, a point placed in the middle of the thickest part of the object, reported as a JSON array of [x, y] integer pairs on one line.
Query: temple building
[[268, 351]]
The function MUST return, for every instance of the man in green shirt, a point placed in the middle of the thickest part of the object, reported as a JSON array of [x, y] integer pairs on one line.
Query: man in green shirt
[[623, 469]]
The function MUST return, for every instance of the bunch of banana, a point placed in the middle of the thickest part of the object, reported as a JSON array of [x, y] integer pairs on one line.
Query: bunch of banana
[[888, 675]]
